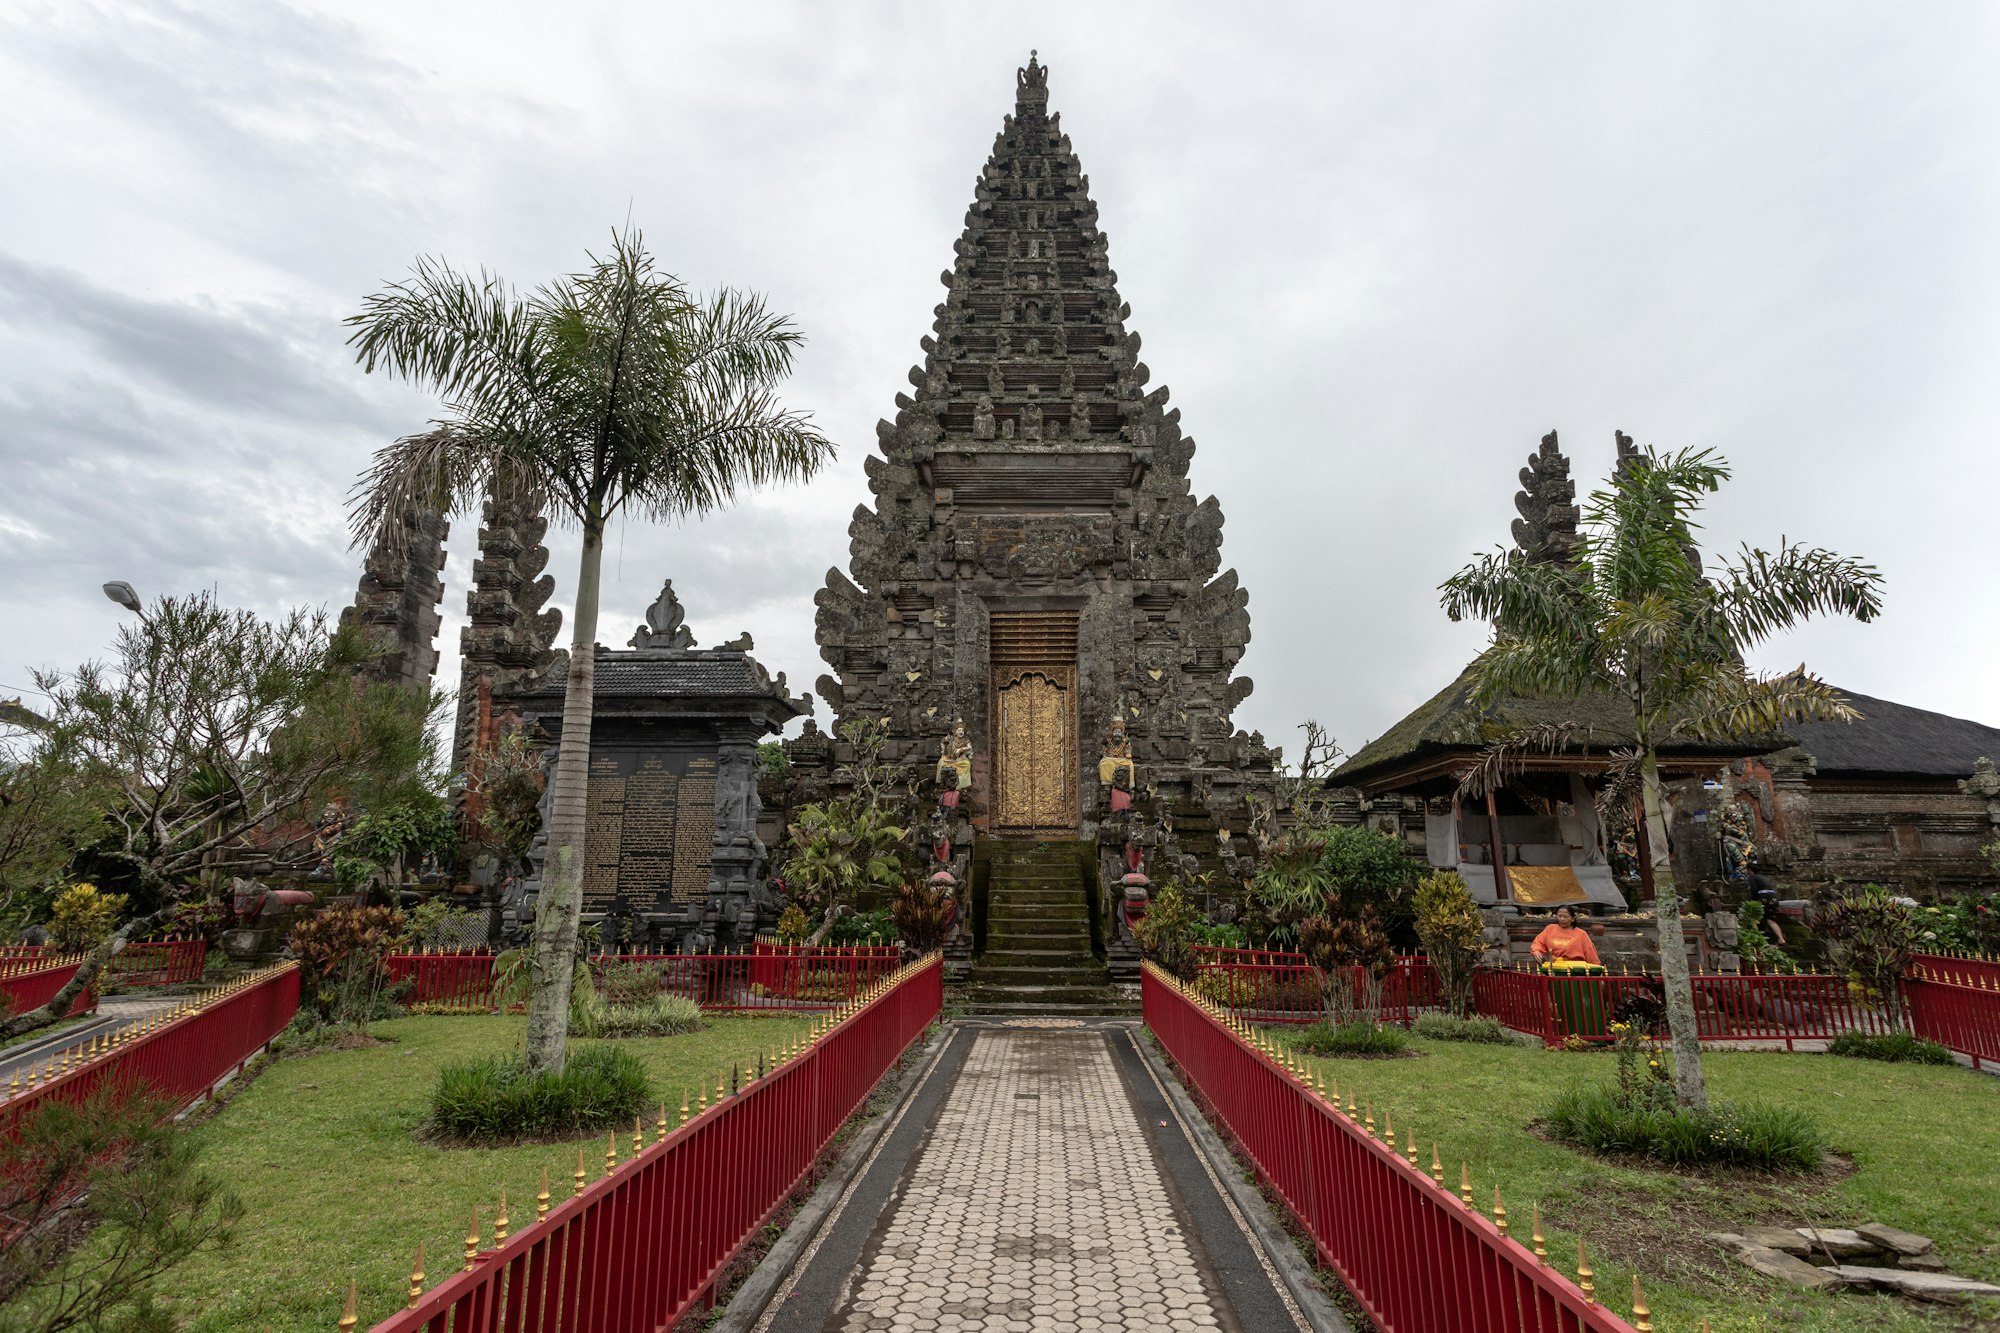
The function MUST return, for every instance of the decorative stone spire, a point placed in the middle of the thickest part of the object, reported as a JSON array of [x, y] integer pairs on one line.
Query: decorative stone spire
[[507, 636], [665, 625], [1546, 529], [396, 602], [1029, 460]]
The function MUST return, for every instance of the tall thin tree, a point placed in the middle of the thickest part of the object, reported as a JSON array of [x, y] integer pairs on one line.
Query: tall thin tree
[[612, 390], [1632, 618]]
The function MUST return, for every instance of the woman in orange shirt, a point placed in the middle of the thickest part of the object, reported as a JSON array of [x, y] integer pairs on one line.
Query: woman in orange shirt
[[1564, 939]]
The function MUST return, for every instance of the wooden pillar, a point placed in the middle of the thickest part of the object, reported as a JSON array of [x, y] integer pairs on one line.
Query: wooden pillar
[[1501, 889]]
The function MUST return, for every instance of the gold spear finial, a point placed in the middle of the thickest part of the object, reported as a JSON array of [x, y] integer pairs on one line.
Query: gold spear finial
[[1584, 1274], [500, 1223], [1499, 1211], [684, 1106], [610, 1153], [1642, 1318], [1437, 1166], [472, 1240], [660, 1125], [579, 1170], [1410, 1146], [1541, 1241], [416, 1279], [1369, 1124], [348, 1318], [542, 1199], [638, 1137], [1464, 1184]]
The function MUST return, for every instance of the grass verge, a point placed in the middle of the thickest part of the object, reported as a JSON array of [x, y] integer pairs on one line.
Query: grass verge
[[336, 1183], [1913, 1146]]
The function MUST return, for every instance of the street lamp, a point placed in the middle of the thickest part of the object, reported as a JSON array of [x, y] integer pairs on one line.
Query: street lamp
[[123, 593]]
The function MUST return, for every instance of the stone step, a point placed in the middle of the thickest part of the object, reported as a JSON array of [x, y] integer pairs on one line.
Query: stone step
[[1023, 942], [1109, 1008], [1050, 958], [1075, 931], [987, 980], [1038, 911], [1039, 995]]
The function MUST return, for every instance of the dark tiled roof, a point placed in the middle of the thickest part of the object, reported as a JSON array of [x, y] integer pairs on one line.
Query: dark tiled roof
[[1894, 739], [658, 673]]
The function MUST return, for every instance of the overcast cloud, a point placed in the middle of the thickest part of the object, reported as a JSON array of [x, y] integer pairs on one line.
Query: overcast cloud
[[1376, 250]]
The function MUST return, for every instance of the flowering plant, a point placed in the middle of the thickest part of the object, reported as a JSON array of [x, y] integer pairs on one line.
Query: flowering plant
[[1644, 1081]]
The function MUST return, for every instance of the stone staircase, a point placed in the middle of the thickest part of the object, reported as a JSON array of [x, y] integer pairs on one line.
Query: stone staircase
[[1038, 958]]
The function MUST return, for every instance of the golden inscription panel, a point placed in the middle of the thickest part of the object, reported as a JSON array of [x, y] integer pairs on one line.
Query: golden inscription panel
[[1034, 751]]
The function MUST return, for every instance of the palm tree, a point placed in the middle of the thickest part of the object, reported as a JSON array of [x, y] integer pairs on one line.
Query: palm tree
[[1631, 618], [607, 391]]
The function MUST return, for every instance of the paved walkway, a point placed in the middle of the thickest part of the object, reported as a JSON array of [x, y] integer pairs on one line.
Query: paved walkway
[[1041, 1184]]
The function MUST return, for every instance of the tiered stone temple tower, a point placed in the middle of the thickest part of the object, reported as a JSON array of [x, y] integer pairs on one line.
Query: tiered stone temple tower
[[1034, 562]]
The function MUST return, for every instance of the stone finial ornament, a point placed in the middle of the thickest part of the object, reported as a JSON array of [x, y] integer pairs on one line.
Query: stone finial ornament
[[665, 625]]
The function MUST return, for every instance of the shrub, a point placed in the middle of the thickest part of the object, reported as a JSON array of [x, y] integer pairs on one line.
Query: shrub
[[1897, 1048], [1352, 1039], [1453, 934], [793, 925], [80, 917], [1166, 932], [922, 913], [1220, 935], [1448, 1027], [596, 1014], [495, 1099], [1758, 1135], [340, 953], [1872, 937]]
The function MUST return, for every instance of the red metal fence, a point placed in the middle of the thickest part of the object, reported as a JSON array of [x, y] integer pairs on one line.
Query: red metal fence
[[1272, 986], [1960, 969], [30, 983], [1963, 1017], [646, 1244], [142, 963], [1803, 1007], [771, 977], [1417, 1259], [179, 1053]]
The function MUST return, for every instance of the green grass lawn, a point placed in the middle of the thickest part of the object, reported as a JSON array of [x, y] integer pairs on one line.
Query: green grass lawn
[[1924, 1144], [321, 1149]]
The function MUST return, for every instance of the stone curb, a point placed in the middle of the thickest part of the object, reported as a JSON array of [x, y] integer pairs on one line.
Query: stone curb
[[758, 1290], [1299, 1279]]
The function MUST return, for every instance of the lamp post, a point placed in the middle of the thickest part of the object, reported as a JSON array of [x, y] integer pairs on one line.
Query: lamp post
[[123, 593]]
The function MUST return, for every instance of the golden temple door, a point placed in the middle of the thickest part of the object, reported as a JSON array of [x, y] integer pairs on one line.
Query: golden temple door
[[1034, 750]]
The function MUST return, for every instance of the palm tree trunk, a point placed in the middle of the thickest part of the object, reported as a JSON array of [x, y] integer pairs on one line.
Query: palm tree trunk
[[560, 907], [1689, 1087]]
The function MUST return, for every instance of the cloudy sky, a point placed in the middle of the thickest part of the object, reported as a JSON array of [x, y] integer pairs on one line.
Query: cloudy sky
[[1376, 250]]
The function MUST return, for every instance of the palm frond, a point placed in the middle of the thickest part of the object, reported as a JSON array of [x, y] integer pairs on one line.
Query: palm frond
[[1520, 596], [442, 470], [1736, 705], [470, 337], [1765, 593], [1539, 668], [1508, 756]]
